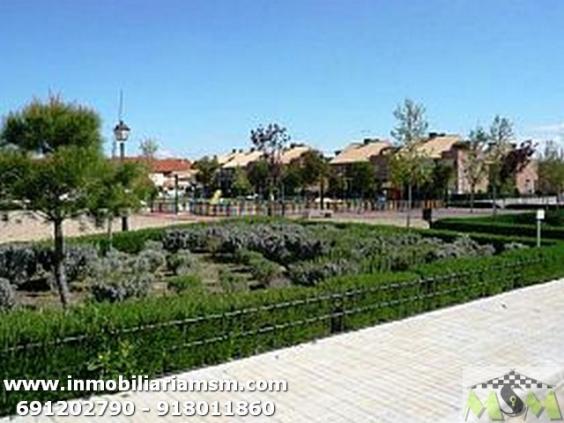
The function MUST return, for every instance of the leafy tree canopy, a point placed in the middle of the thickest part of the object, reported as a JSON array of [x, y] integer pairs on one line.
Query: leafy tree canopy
[[44, 127]]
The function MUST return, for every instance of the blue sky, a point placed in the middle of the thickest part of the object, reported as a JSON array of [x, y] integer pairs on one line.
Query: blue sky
[[199, 74]]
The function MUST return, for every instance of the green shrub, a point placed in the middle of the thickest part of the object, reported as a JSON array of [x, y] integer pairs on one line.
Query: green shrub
[[232, 282], [184, 283], [246, 257], [263, 270], [310, 273], [32, 264], [280, 242], [156, 336], [18, 263], [155, 259], [119, 276], [119, 287], [182, 262], [498, 227]]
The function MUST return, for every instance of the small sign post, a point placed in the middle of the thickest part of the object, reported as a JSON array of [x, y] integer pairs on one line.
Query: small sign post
[[540, 218]]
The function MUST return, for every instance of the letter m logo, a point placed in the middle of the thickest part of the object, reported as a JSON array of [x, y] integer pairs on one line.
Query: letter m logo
[[549, 404], [476, 407]]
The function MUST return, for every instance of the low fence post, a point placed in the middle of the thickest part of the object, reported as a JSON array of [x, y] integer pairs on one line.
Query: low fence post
[[337, 315]]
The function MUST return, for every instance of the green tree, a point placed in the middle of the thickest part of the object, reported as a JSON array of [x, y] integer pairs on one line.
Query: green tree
[[439, 181], [337, 184], [315, 171], [410, 166], [292, 178], [551, 170], [362, 177], [120, 188], [149, 148], [500, 135], [53, 149], [257, 172], [207, 174], [475, 168], [241, 185], [271, 141]]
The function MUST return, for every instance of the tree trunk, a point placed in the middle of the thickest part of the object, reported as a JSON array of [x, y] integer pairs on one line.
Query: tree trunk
[[124, 223], [59, 264], [322, 193], [409, 198], [472, 191], [110, 232]]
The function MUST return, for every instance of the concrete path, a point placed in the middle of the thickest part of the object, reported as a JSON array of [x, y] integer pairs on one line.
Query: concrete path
[[408, 371], [23, 227]]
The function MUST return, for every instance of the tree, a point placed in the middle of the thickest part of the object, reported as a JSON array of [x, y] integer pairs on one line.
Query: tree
[[149, 148], [207, 173], [315, 170], [474, 167], [292, 178], [120, 187], [551, 170], [337, 184], [501, 133], [362, 178], [409, 165], [257, 172], [241, 185], [515, 161], [439, 180], [271, 141], [53, 149]]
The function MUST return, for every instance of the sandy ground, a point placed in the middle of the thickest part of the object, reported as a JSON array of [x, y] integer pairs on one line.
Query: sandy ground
[[24, 228]]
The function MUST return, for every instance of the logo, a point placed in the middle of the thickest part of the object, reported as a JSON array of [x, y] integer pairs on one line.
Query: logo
[[509, 396]]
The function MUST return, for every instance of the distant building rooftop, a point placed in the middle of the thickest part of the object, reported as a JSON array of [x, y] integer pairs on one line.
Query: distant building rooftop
[[242, 159], [167, 165], [295, 151], [437, 144], [360, 151]]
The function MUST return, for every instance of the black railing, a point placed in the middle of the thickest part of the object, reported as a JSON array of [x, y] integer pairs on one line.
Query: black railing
[[340, 305]]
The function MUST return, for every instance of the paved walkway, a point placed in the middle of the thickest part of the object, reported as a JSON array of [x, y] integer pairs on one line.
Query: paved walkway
[[408, 371], [23, 227]]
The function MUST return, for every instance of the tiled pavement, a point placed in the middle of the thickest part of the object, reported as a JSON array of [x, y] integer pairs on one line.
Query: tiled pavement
[[406, 371]]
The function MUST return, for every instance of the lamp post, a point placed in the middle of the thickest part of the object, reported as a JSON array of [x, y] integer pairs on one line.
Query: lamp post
[[176, 193], [540, 218], [121, 133]]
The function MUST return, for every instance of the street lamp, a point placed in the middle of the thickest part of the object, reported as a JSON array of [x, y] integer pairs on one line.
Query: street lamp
[[121, 133]]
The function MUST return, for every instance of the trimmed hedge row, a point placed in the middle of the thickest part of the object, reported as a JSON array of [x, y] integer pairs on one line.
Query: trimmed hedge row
[[475, 225], [156, 336]]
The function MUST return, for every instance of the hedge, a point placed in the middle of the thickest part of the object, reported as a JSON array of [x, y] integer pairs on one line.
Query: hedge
[[157, 336], [132, 242], [475, 225]]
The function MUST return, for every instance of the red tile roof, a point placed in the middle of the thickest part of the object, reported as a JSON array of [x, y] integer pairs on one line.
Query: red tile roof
[[170, 165], [163, 165]]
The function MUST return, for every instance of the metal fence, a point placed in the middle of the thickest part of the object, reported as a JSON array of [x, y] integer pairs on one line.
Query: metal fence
[[338, 306], [284, 208], [179, 345]]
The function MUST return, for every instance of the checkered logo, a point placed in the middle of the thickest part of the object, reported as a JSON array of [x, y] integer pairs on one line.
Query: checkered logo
[[513, 380]]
